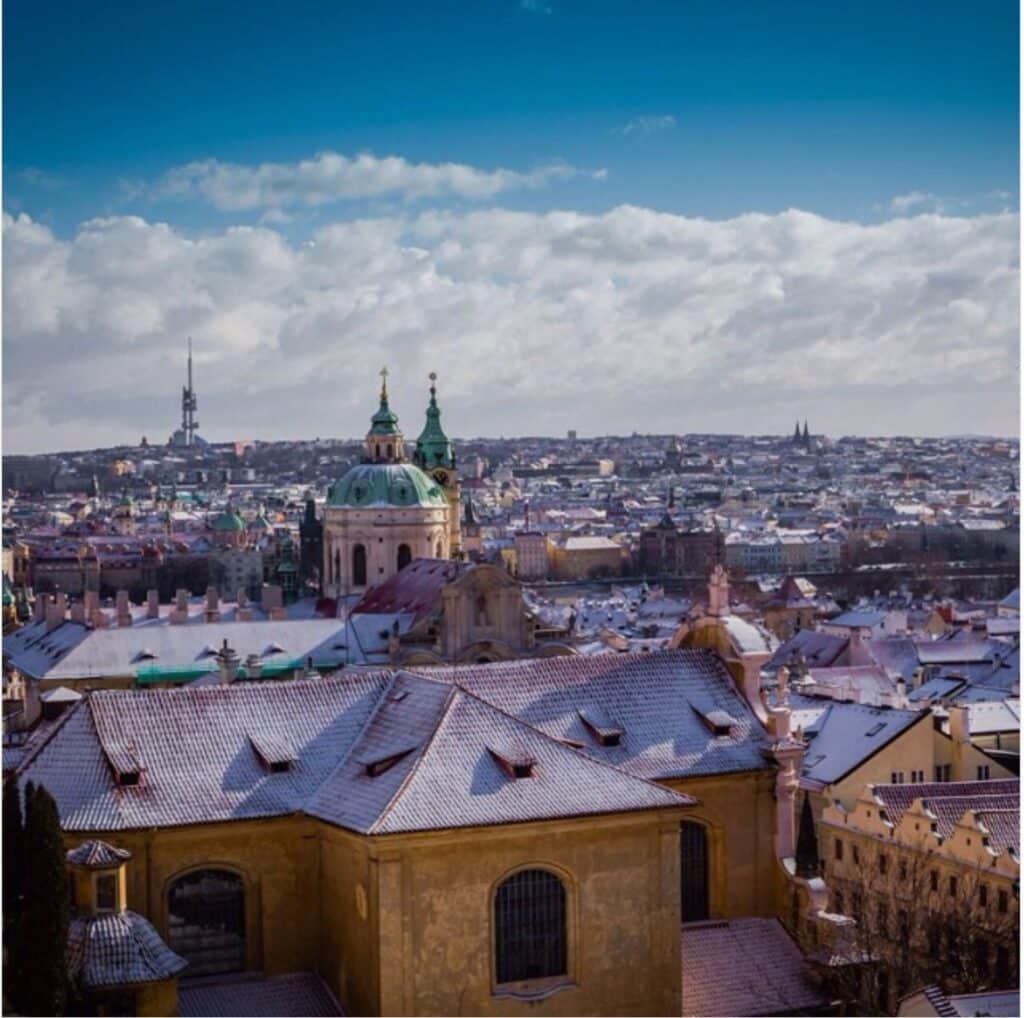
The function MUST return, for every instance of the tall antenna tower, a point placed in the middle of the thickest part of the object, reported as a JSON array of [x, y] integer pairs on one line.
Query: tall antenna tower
[[189, 404]]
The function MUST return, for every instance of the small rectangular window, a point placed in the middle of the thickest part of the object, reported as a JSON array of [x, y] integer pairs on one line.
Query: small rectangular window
[[983, 772], [106, 892], [883, 863], [903, 869], [883, 919], [1004, 902], [982, 895], [934, 879], [952, 887], [856, 855], [839, 848]]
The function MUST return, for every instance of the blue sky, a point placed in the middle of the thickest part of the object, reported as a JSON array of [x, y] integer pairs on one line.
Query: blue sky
[[835, 108], [779, 209]]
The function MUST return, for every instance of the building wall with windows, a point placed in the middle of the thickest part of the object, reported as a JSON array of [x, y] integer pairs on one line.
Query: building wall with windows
[[406, 924]]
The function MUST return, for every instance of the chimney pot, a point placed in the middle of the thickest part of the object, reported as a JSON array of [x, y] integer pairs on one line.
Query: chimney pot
[[153, 604]]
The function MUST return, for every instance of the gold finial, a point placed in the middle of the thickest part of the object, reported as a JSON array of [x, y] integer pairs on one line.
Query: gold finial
[[433, 386], [383, 384]]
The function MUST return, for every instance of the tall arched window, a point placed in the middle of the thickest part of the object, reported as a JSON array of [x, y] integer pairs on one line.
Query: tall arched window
[[337, 567], [404, 555], [391, 451], [206, 921], [530, 927], [440, 551], [693, 870], [358, 566]]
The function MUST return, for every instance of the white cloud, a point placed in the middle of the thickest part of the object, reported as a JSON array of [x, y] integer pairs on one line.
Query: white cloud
[[646, 125], [903, 203], [631, 319], [330, 177]]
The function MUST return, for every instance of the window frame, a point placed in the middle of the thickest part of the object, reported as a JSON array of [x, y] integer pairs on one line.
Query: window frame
[[540, 986]]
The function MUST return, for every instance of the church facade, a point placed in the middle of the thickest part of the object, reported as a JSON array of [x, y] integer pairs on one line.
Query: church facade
[[388, 510]]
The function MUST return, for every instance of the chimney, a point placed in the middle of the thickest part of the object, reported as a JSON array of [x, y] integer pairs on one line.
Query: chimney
[[39, 607], [78, 612], [960, 735], [180, 613], [152, 604], [959, 724], [212, 613], [254, 666], [54, 616], [124, 609], [227, 664]]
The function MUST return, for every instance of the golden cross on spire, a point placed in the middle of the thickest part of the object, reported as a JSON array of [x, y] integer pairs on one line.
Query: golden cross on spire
[[383, 383]]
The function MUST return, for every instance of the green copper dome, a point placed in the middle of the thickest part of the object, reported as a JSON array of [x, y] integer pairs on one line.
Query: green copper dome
[[397, 485], [228, 521], [433, 448]]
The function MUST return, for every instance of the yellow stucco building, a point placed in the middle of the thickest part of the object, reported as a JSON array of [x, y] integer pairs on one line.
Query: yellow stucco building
[[497, 839]]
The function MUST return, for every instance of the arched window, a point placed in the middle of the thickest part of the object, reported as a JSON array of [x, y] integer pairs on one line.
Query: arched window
[[529, 927], [693, 870], [391, 451], [359, 566], [206, 921], [404, 555], [440, 551], [337, 567]]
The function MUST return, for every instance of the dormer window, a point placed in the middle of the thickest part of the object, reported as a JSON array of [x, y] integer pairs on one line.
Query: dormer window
[[515, 763], [273, 648], [601, 727], [717, 721], [380, 764], [146, 655], [124, 764], [274, 753]]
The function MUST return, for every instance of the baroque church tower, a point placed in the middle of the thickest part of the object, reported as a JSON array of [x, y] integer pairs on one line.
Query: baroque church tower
[[434, 455], [384, 512]]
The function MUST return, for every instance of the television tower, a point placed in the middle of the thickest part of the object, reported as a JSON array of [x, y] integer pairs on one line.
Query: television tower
[[189, 404]]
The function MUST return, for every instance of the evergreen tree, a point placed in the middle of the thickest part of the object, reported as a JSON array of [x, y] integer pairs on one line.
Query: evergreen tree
[[43, 931], [14, 857]]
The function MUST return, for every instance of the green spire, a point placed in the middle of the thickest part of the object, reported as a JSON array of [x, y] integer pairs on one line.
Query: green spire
[[433, 449], [384, 421]]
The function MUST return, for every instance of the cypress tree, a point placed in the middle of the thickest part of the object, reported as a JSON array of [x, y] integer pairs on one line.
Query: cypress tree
[[13, 857], [43, 931]]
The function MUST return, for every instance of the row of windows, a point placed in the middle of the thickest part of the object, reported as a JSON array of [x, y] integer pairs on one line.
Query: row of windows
[[942, 773]]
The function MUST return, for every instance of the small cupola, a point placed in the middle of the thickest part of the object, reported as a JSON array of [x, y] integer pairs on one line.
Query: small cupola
[[384, 442], [99, 878]]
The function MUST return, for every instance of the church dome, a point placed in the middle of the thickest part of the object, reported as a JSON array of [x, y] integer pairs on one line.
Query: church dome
[[229, 521], [396, 485]]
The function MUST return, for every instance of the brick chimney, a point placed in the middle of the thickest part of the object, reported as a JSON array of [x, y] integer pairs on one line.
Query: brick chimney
[[227, 664], [243, 611], [39, 607], [123, 609], [78, 612], [212, 612], [152, 604], [254, 666], [180, 612], [54, 615], [273, 602]]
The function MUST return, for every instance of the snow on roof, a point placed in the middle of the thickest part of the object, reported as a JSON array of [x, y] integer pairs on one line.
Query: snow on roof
[[843, 735], [194, 747], [119, 949], [858, 619], [745, 966], [72, 651]]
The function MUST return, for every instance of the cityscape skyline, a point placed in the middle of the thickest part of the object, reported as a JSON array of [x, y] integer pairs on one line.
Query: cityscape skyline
[[695, 237]]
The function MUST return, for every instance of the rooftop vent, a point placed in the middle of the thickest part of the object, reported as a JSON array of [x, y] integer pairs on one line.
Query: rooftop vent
[[874, 730], [273, 648], [601, 727], [145, 655], [515, 762]]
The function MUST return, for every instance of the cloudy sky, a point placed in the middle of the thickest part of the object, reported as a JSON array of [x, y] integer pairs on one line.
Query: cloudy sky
[[598, 215]]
